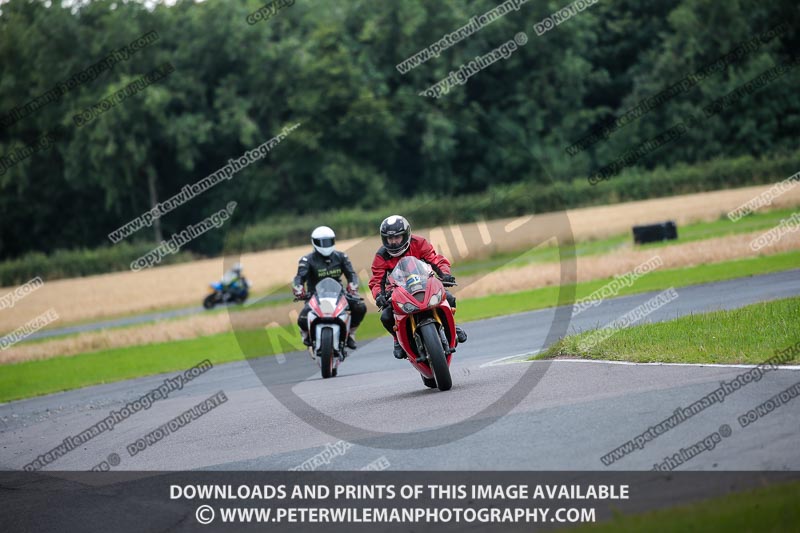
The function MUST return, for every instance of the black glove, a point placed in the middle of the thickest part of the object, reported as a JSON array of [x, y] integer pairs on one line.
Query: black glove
[[380, 301], [448, 278]]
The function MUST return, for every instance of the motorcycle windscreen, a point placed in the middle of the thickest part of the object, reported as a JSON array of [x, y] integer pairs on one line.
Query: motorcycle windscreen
[[328, 288], [411, 274]]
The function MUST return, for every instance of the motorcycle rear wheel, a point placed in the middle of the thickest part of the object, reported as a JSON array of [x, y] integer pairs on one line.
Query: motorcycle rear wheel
[[436, 357]]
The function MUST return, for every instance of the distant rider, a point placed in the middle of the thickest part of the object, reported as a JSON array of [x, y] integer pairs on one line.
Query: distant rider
[[233, 280], [398, 242], [326, 262]]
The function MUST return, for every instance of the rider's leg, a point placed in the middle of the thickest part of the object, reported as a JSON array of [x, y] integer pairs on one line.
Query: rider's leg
[[387, 319], [357, 311], [302, 321], [461, 335]]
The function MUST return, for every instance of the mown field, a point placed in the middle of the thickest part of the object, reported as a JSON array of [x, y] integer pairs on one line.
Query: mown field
[[119, 294], [699, 243]]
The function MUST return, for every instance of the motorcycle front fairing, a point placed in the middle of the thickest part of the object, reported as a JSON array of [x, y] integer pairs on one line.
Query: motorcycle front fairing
[[329, 308], [418, 297]]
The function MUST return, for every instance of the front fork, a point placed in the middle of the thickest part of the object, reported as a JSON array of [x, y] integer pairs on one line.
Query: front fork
[[340, 348], [423, 355]]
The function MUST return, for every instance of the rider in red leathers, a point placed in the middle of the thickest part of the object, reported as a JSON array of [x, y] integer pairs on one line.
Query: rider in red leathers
[[398, 242]]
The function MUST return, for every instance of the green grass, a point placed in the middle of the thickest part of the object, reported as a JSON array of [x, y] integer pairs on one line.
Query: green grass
[[773, 509], [34, 378], [748, 335]]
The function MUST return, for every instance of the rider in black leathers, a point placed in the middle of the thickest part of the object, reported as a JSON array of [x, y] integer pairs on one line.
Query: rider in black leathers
[[326, 262]]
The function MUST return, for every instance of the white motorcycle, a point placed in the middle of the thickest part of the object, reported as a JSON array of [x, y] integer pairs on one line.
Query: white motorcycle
[[328, 326]]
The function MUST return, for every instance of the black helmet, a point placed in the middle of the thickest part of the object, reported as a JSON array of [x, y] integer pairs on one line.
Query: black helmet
[[391, 227]]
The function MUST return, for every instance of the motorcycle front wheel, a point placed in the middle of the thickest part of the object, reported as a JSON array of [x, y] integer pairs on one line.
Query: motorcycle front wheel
[[326, 353], [436, 357], [210, 300]]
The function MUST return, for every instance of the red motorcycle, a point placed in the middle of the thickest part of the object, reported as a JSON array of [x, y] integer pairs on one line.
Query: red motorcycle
[[424, 321]]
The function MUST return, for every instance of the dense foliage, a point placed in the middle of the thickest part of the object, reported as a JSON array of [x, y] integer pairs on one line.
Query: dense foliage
[[367, 139]]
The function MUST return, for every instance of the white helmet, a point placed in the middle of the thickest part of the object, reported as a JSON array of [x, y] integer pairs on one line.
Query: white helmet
[[323, 238]]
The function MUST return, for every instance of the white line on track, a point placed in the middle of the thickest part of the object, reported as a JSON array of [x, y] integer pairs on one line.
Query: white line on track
[[518, 358], [523, 358]]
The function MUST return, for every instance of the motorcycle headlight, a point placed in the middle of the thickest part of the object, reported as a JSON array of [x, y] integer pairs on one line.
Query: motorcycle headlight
[[410, 308], [435, 299]]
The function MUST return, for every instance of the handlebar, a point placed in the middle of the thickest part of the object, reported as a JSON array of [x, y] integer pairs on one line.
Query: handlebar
[[307, 297]]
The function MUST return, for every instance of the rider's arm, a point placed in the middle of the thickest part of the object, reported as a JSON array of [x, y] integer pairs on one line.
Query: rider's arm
[[302, 272], [378, 279], [348, 270], [439, 262]]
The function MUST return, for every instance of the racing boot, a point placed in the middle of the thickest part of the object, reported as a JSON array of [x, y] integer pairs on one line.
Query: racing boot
[[461, 335], [398, 352], [351, 339], [306, 338]]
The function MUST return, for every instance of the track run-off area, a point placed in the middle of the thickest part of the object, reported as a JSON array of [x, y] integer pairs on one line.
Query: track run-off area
[[503, 412]]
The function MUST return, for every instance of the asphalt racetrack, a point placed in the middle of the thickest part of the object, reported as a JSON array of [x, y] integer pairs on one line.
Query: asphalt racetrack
[[501, 414]]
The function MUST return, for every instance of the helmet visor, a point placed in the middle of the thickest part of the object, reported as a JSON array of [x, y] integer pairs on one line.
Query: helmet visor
[[324, 243]]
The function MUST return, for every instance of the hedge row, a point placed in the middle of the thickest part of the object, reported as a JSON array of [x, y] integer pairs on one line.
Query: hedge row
[[497, 202], [525, 198], [80, 262]]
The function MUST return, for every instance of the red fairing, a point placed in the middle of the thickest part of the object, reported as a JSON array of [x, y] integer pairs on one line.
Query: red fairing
[[419, 247], [445, 313], [340, 305], [314, 304]]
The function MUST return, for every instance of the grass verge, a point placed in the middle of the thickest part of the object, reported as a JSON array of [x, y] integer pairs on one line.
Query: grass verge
[[771, 509], [33, 378], [748, 335]]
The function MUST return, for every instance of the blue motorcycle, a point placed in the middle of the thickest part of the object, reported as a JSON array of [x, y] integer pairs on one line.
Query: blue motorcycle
[[236, 292]]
